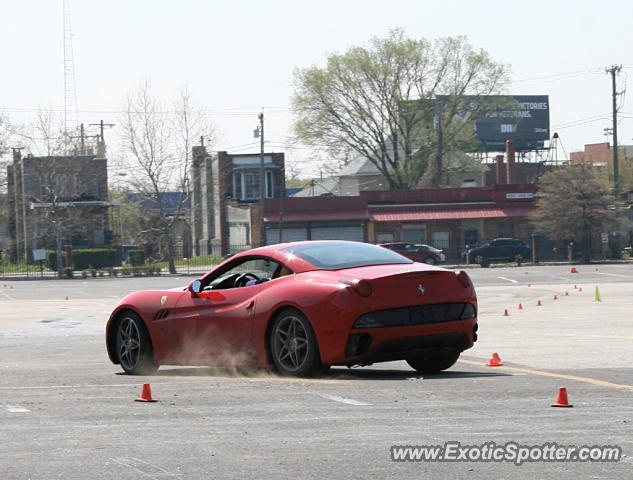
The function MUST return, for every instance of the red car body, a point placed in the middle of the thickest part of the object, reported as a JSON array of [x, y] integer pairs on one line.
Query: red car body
[[383, 310]]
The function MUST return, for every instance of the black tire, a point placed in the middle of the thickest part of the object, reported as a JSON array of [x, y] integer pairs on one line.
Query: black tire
[[133, 346], [434, 360], [293, 345], [429, 260]]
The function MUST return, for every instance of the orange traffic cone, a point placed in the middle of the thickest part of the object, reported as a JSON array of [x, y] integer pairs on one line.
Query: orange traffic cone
[[495, 361], [506, 314], [573, 270], [66, 297], [580, 289], [538, 304], [555, 297], [146, 395], [561, 400], [529, 284], [520, 306]]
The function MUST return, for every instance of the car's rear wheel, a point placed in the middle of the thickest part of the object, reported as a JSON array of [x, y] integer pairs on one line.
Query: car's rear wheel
[[134, 346], [293, 344], [434, 360]]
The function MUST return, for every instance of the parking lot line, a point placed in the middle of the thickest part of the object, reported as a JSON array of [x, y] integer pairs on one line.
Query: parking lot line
[[15, 408], [508, 279], [593, 381], [348, 401]]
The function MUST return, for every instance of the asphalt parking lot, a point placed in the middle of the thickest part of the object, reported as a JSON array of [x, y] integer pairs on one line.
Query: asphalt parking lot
[[67, 412]]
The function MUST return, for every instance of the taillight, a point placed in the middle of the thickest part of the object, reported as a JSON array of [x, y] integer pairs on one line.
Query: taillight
[[463, 278], [361, 287]]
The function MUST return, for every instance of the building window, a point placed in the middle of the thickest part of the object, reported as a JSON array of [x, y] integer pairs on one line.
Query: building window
[[246, 185], [269, 185], [414, 233], [441, 240], [251, 186]]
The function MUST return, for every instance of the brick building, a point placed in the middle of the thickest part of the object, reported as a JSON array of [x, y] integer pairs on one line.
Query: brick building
[[225, 198], [449, 218], [601, 155], [60, 195]]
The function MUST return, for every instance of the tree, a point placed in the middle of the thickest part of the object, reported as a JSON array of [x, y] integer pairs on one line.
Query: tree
[[159, 146], [383, 103], [7, 134], [572, 205]]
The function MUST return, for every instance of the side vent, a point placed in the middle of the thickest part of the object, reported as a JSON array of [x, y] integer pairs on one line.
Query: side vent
[[161, 314]]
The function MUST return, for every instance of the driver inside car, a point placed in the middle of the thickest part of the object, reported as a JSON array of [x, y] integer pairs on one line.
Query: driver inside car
[[280, 271]]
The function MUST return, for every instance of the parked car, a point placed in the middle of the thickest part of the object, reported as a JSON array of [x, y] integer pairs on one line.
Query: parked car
[[500, 249], [299, 308], [418, 252]]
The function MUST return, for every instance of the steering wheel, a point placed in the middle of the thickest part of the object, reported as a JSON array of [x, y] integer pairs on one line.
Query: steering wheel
[[243, 278]]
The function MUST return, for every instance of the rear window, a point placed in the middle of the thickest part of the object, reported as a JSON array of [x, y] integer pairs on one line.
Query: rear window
[[338, 255]]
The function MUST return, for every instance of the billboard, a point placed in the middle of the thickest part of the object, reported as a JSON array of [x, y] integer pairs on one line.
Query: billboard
[[497, 118], [529, 120]]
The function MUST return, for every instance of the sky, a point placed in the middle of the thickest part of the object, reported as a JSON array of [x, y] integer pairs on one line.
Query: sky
[[236, 58]]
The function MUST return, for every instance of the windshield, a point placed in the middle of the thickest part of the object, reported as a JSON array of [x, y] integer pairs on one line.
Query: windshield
[[338, 255]]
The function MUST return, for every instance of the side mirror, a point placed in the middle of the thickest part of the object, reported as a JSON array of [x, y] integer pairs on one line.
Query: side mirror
[[195, 286]]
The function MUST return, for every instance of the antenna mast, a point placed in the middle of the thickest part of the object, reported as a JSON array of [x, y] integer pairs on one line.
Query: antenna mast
[[70, 92]]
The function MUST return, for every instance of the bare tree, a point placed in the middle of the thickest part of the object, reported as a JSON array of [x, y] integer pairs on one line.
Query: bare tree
[[45, 136], [159, 146], [8, 133]]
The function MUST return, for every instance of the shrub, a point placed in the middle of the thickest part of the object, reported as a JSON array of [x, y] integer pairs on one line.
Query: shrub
[[94, 258], [85, 258], [136, 257]]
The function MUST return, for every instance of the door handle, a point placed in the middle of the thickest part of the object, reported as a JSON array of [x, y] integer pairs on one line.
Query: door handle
[[250, 304]]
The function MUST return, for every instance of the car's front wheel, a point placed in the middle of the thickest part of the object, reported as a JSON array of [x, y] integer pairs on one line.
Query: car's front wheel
[[434, 361], [293, 344], [134, 346]]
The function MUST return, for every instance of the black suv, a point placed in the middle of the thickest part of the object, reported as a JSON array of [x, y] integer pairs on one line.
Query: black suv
[[500, 249]]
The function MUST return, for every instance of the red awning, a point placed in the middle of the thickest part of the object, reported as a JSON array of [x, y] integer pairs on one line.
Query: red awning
[[451, 214]]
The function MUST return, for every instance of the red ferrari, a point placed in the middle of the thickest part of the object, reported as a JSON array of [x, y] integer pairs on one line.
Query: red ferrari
[[301, 307]]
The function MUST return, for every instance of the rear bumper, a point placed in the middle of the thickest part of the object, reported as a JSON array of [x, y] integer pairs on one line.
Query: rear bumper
[[372, 345]]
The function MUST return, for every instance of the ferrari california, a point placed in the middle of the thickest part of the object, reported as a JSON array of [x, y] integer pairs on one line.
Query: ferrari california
[[300, 308]]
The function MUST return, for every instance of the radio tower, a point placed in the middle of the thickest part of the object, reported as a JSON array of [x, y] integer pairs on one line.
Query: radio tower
[[70, 92]]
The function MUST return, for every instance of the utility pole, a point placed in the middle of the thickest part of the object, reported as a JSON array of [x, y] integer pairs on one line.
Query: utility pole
[[282, 194], [82, 136], [614, 70], [262, 180], [101, 149]]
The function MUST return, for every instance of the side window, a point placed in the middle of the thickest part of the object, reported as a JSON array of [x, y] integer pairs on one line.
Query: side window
[[240, 273]]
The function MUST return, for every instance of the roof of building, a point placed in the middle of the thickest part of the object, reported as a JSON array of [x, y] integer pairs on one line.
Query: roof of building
[[171, 202]]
